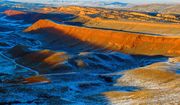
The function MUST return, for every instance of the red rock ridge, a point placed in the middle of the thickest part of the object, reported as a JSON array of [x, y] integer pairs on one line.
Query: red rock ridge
[[113, 40]]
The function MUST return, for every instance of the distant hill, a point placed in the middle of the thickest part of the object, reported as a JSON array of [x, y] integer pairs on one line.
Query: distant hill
[[10, 4], [92, 3], [160, 8]]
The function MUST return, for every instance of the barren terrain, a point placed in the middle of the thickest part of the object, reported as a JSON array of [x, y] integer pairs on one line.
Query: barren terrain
[[74, 55]]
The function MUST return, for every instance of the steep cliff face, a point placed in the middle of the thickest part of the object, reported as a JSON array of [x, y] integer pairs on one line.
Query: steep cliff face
[[118, 41]]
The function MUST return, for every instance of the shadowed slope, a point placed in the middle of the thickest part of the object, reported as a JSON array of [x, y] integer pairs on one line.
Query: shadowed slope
[[47, 61], [111, 40]]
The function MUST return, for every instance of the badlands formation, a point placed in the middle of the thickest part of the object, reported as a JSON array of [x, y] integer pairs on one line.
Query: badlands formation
[[158, 82], [91, 56]]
